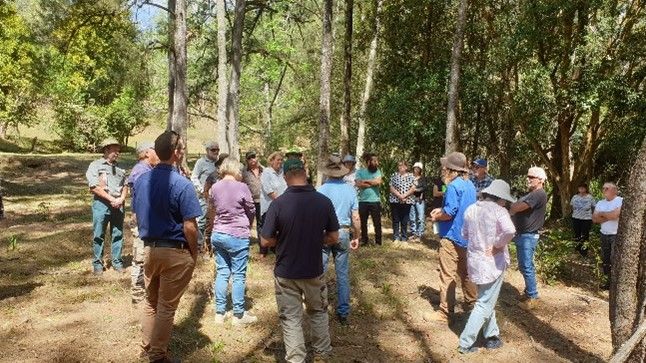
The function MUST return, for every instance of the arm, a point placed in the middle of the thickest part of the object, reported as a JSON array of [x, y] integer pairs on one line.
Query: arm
[[331, 238], [437, 193], [99, 191], [374, 182], [356, 233], [269, 229], [190, 233], [267, 241], [195, 174], [613, 214], [396, 193], [518, 207], [599, 217], [207, 189], [450, 208]]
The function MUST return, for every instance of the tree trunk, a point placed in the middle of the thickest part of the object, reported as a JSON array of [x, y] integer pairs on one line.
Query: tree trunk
[[451, 142], [266, 116], [179, 122], [628, 285], [171, 64], [223, 84], [4, 127], [372, 63], [233, 99], [346, 117], [326, 73]]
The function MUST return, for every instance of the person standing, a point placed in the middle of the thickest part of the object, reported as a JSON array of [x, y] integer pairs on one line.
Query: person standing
[[107, 185], [480, 177], [346, 205], [147, 160], [401, 199], [251, 176], [166, 207], [350, 162], [368, 180], [234, 211], [459, 195], [582, 207], [204, 167], [489, 229], [606, 213], [299, 223], [529, 216], [417, 211], [272, 185]]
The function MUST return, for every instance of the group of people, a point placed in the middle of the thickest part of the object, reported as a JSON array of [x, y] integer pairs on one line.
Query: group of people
[[176, 216]]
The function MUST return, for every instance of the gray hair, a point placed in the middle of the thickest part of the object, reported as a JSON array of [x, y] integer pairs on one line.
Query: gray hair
[[230, 166]]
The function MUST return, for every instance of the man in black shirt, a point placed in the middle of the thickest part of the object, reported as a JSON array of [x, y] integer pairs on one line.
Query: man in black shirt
[[299, 223]]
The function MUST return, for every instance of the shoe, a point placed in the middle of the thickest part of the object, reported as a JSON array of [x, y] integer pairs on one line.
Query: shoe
[[119, 269], [167, 360], [471, 349], [493, 343], [438, 315], [320, 358], [343, 320], [219, 318], [245, 319], [98, 272], [529, 304]]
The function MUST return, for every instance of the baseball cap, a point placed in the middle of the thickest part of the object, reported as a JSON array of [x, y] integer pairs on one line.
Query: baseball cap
[[480, 162], [349, 159], [292, 164], [250, 155], [537, 172], [418, 165]]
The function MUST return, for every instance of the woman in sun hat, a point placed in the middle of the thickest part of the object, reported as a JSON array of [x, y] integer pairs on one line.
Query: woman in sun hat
[[489, 229]]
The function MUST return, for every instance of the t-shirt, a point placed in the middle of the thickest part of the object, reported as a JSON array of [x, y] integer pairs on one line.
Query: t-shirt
[[459, 195], [234, 208], [299, 219], [370, 194], [343, 197], [436, 202], [532, 219], [271, 181], [402, 183], [582, 206], [604, 205]]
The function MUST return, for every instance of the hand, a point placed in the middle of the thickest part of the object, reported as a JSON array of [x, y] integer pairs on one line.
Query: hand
[[354, 244], [116, 202], [435, 213]]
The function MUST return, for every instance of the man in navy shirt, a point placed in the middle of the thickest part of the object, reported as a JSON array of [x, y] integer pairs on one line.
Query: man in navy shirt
[[299, 223], [166, 206]]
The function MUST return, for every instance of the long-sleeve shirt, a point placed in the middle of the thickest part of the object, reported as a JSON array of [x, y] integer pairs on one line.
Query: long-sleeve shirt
[[202, 169], [487, 225], [234, 208]]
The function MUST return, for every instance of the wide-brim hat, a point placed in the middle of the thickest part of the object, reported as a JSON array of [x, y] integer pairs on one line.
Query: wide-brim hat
[[333, 167], [109, 142], [499, 188], [455, 161]]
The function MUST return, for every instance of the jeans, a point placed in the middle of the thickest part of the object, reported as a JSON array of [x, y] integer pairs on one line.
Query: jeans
[[525, 246], [400, 213], [483, 315], [102, 214], [417, 219], [372, 209], [340, 252], [231, 257], [607, 240]]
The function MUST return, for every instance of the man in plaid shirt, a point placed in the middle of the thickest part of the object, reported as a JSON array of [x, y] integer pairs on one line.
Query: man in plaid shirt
[[480, 178]]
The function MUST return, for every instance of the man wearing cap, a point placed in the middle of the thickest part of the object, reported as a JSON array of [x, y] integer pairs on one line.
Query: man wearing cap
[[272, 185], [107, 184], [459, 195], [147, 160], [251, 176], [350, 162], [299, 223], [528, 216], [167, 207], [488, 228], [346, 205], [368, 180], [480, 178], [204, 167], [607, 213]]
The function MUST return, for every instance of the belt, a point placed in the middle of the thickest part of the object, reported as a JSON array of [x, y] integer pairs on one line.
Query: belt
[[166, 243]]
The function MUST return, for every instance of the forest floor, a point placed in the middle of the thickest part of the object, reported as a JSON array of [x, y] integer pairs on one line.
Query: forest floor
[[54, 310]]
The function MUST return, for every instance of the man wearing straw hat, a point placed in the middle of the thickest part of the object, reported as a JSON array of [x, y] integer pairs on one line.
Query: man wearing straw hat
[[346, 205], [488, 228]]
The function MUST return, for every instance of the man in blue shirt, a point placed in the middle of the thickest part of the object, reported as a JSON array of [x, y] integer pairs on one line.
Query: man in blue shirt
[[346, 205], [166, 206], [460, 194]]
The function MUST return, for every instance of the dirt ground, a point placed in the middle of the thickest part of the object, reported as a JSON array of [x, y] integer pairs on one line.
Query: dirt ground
[[54, 310]]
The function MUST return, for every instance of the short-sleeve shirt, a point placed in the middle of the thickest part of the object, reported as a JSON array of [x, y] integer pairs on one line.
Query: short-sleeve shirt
[[234, 208], [299, 219], [202, 169], [582, 206], [164, 200], [343, 197], [253, 182], [271, 181], [459, 195], [403, 183], [370, 194], [532, 219], [112, 175], [604, 205], [138, 170]]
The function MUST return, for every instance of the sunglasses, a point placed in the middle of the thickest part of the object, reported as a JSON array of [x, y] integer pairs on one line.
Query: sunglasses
[[531, 177], [214, 150], [251, 157]]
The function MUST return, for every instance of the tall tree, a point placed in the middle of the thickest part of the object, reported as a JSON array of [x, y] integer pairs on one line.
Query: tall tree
[[223, 84], [233, 99], [326, 73], [346, 117], [372, 63], [451, 143], [179, 122], [171, 63]]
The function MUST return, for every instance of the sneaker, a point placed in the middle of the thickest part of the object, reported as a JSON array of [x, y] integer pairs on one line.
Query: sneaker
[[245, 319], [343, 320], [493, 343], [98, 272], [471, 349], [119, 269], [529, 304], [219, 318]]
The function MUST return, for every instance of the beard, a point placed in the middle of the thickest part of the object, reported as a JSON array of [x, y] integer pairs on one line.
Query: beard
[[372, 168]]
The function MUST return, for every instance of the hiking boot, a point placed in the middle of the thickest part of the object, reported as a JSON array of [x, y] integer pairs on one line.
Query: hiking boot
[[529, 304], [245, 319], [471, 349], [493, 343]]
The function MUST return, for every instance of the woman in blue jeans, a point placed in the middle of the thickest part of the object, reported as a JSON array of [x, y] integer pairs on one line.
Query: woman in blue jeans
[[417, 211], [234, 211], [401, 199]]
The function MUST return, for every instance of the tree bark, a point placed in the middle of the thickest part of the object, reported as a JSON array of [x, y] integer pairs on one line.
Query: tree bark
[[326, 73], [179, 122], [223, 84], [451, 142], [628, 284], [372, 64], [171, 64], [346, 117], [233, 99]]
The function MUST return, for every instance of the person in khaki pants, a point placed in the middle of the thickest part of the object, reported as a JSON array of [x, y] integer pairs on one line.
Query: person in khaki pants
[[166, 206], [460, 194], [299, 223]]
